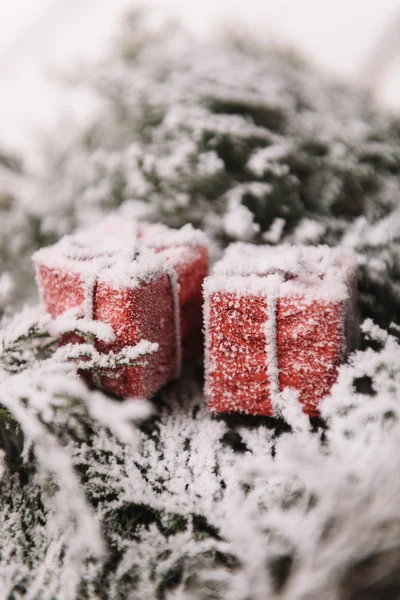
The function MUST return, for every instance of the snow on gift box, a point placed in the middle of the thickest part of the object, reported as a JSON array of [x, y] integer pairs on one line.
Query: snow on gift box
[[113, 275], [276, 318], [186, 251]]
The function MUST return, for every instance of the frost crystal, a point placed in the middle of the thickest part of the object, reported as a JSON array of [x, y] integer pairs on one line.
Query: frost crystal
[[200, 506]]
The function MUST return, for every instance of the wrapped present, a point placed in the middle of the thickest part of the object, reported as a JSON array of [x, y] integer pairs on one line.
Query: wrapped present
[[184, 250], [277, 318], [143, 280]]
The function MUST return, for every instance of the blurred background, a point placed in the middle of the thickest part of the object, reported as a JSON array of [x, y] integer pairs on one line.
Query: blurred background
[[358, 40]]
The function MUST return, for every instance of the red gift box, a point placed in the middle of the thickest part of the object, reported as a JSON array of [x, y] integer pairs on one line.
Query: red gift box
[[142, 279], [185, 250], [277, 318]]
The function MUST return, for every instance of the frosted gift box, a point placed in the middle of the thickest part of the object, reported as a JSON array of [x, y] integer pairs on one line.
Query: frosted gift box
[[186, 251], [277, 317], [142, 279]]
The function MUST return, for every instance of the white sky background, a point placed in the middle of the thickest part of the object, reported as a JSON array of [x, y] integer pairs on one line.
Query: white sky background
[[339, 35]]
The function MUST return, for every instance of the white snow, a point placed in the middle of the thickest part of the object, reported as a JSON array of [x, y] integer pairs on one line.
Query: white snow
[[308, 232], [86, 357], [326, 506], [160, 236], [242, 285], [175, 287], [127, 227], [238, 223], [244, 259], [271, 351], [266, 160], [71, 320], [274, 233], [317, 271], [118, 416], [101, 258]]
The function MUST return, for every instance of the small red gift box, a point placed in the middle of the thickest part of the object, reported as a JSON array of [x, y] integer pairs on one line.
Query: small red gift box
[[142, 279], [184, 250], [277, 318]]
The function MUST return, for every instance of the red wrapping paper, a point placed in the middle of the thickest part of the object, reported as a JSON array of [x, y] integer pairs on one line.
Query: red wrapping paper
[[277, 318], [145, 281]]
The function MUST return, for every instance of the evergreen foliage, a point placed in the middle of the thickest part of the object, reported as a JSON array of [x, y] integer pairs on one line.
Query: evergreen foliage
[[248, 144]]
